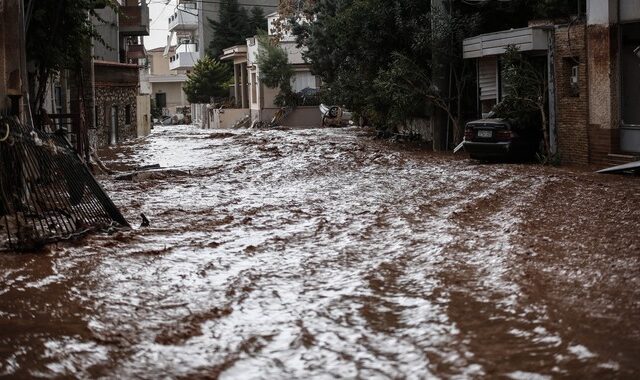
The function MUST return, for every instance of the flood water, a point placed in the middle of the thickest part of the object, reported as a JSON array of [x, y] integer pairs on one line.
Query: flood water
[[323, 253]]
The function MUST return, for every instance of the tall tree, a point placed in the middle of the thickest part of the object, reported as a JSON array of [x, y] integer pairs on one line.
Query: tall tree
[[60, 33], [234, 26], [257, 21], [526, 92], [275, 70], [209, 80], [351, 42]]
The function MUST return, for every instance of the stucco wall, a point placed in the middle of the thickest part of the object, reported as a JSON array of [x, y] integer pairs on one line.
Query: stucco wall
[[108, 30], [602, 50], [175, 96], [143, 115], [226, 118], [308, 116]]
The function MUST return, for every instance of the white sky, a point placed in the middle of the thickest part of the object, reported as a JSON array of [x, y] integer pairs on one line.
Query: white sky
[[159, 12]]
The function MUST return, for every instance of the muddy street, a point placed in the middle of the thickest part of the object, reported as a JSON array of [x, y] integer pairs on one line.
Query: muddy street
[[323, 253]]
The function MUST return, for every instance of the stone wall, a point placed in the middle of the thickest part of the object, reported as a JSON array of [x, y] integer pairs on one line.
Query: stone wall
[[108, 96], [572, 101]]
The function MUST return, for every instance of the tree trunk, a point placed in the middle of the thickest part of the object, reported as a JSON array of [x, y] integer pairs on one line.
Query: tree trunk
[[545, 131]]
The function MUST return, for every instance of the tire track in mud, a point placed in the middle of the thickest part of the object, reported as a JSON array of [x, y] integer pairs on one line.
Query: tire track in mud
[[508, 321]]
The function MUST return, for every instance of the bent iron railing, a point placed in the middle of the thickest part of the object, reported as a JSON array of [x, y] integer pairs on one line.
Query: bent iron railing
[[46, 192]]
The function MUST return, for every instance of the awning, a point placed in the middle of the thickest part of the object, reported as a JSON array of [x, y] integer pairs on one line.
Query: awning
[[490, 44]]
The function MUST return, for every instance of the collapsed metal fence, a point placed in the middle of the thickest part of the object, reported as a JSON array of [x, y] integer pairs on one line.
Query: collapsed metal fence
[[46, 192]]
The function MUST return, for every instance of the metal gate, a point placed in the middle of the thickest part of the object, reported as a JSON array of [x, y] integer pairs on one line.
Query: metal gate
[[46, 192]]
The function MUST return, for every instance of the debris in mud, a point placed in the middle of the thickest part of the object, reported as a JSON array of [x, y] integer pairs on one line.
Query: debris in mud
[[630, 168], [152, 174], [147, 167], [145, 221], [221, 135]]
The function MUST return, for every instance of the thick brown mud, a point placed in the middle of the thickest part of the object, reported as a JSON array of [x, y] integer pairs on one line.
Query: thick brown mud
[[326, 254]]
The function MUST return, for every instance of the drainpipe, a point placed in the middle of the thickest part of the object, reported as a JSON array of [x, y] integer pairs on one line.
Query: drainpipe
[[619, 72], [27, 116], [551, 88]]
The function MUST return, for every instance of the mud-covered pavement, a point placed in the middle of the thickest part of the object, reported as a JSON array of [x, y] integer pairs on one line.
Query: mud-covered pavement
[[325, 254]]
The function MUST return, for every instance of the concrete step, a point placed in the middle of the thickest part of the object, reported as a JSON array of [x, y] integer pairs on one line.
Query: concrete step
[[621, 159]]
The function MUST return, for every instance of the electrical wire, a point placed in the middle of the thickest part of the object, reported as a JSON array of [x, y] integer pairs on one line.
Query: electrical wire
[[239, 3], [161, 12]]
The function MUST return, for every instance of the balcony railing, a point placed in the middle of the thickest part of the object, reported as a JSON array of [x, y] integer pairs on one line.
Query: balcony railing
[[134, 20], [183, 20]]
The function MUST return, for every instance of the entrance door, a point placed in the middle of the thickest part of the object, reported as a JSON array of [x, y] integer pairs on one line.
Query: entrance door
[[161, 100], [630, 88]]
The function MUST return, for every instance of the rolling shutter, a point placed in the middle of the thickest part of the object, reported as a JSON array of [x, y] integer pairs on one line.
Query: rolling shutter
[[488, 78]]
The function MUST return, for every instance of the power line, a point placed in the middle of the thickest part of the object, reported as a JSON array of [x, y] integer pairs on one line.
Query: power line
[[242, 4], [160, 14]]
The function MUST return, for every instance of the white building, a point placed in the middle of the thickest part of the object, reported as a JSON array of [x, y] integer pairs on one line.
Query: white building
[[183, 27]]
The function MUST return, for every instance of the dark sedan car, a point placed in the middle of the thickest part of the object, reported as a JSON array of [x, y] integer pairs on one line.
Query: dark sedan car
[[500, 139]]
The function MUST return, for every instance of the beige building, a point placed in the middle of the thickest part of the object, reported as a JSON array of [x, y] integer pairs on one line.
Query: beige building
[[259, 100], [164, 84]]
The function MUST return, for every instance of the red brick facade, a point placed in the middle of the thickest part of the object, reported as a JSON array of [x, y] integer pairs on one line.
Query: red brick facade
[[572, 101]]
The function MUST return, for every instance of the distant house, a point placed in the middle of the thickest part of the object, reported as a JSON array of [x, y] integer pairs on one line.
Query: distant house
[[163, 84], [256, 98], [593, 68]]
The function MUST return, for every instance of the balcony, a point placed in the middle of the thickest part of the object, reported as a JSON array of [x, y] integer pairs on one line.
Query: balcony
[[185, 57], [134, 52], [183, 20], [134, 19]]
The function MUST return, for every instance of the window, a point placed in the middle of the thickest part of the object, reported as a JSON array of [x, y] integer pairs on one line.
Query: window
[[630, 86], [161, 100], [254, 89], [58, 98]]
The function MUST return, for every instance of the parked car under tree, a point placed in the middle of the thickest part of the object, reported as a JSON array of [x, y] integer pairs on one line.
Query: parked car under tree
[[491, 139]]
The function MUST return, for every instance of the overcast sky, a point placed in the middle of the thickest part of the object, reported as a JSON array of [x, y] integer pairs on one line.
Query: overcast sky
[[159, 12]]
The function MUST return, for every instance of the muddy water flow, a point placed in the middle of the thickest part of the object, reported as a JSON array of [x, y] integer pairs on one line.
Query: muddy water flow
[[323, 254]]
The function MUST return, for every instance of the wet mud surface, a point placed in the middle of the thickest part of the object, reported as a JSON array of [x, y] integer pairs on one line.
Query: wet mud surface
[[327, 254]]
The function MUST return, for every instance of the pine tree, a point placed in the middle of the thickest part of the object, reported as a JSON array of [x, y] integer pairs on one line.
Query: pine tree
[[231, 29], [257, 21], [209, 80]]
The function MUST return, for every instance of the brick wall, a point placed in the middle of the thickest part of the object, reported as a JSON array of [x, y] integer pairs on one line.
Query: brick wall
[[572, 103]]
